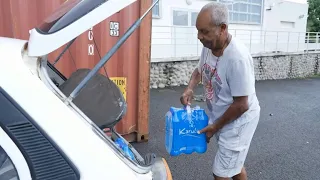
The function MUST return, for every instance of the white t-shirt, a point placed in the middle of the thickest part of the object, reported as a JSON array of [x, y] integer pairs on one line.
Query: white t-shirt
[[232, 75]]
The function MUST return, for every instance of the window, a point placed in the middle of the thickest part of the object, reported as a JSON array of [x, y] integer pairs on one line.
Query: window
[[184, 18], [156, 10], [244, 11], [180, 18], [194, 16], [287, 24], [240, 11], [7, 169], [60, 18]]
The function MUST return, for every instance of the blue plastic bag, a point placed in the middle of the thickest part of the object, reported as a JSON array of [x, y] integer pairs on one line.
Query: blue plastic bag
[[182, 126]]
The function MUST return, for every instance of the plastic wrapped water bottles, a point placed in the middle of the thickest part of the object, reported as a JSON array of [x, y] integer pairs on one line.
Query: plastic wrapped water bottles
[[182, 125], [121, 144]]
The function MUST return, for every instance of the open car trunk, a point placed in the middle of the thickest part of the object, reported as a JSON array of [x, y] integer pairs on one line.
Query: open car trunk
[[102, 101], [40, 124], [91, 95]]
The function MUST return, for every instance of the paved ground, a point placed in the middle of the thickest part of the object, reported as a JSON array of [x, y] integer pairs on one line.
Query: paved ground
[[286, 145]]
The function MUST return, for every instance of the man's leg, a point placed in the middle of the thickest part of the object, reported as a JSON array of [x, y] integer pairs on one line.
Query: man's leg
[[219, 178], [227, 163], [241, 176], [232, 151]]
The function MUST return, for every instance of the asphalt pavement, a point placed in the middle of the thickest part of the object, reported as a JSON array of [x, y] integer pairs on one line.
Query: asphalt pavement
[[286, 144]]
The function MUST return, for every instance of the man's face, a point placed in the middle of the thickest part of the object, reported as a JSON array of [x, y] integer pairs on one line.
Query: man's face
[[208, 33]]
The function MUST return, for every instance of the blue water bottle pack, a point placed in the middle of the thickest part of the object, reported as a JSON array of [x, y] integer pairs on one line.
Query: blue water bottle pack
[[182, 126], [121, 144]]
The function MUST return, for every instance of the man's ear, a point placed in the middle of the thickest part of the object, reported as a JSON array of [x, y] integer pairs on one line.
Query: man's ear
[[223, 28]]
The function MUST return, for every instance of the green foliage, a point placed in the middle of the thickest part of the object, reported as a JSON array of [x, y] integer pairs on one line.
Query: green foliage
[[314, 16]]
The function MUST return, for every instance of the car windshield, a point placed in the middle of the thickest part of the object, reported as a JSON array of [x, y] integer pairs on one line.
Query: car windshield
[[67, 13]]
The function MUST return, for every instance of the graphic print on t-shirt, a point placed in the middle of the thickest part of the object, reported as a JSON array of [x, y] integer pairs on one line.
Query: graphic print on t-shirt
[[207, 73], [212, 84], [206, 78], [216, 85]]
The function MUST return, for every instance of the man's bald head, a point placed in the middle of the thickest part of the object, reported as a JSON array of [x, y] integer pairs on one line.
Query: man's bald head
[[218, 12], [212, 26]]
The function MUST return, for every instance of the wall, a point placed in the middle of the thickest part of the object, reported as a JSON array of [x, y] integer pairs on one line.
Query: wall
[[278, 11], [167, 6], [178, 41], [287, 16], [274, 66], [290, 17]]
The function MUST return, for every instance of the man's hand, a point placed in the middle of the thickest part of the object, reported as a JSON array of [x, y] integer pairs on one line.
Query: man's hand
[[210, 130], [236, 109], [186, 97], [209, 136]]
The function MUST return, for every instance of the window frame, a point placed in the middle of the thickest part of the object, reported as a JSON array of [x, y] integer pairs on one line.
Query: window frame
[[193, 11], [159, 6], [231, 21], [11, 163], [189, 11], [15, 155]]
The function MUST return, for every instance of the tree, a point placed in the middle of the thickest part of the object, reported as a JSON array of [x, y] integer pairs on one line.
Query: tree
[[314, 16]]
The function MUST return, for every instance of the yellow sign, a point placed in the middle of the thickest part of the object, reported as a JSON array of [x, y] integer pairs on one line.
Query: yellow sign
[[121, 82]]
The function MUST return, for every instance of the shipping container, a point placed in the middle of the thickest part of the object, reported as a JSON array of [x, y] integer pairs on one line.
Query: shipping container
[[129, 66]]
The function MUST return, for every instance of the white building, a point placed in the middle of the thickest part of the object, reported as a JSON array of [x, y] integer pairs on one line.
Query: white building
[[264, 25]]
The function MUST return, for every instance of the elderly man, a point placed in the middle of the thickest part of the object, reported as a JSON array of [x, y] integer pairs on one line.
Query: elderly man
[[227, 73]]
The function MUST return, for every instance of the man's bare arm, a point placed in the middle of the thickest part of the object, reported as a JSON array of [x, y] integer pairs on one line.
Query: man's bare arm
[[187, 95], [195, 79], [235, 110]]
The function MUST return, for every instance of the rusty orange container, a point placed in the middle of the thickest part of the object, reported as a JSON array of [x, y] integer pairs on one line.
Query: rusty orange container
[[129, 67]]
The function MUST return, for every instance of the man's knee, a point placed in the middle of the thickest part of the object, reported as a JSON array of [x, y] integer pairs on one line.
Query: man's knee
[[241, 176], [228, 163], [219, 178]]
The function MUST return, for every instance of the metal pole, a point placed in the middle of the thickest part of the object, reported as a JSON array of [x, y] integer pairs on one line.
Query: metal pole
[[288, 42], [298, 41], [317, 41], [264, 41], [65, 49], [308, 39], [250, 40], [175, 41], [197, 48], [101, 63], [277, 42]]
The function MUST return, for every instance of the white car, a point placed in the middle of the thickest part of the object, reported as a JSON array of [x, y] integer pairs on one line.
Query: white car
[[50, 126]]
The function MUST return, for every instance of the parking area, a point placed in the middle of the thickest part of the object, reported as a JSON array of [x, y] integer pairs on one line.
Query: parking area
[[286, 143]]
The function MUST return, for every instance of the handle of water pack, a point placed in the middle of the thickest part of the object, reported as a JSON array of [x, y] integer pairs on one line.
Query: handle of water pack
[[188, 108]]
